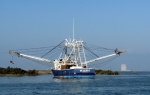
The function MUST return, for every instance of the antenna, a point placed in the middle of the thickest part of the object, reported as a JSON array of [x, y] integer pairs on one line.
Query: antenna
[[73, 28]]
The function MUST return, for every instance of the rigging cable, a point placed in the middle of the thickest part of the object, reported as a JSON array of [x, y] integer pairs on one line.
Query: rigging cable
[[37, 61], [91, 51], [52, 49], [100, 48], [32, 48], [107, 62]]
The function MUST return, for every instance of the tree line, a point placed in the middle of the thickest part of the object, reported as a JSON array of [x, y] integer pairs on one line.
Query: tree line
[[106, 72], [17, 71]]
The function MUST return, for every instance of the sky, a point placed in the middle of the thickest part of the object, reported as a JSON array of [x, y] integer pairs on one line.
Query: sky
[[122, 24]]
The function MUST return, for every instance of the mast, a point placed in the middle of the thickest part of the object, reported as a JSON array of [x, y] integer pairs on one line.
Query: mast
[[73, 29], [74, 48]]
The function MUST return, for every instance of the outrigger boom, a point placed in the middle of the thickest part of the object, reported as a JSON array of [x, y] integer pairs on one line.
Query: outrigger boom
[[29, 56], [49, 61]]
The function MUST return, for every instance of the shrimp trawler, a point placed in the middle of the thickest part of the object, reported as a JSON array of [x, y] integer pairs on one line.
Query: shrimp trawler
[[72, 62]]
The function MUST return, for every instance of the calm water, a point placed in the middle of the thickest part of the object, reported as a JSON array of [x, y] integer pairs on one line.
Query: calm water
[[124, 84]]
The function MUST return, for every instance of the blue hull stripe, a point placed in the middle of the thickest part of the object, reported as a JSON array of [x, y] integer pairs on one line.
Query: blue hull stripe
[[74, 73]]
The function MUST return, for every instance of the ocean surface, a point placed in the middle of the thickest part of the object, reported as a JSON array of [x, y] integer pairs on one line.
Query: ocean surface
[[127, 83]]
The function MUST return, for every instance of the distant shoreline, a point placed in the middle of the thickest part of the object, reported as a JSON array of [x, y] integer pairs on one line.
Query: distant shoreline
[[9, 71], [39, 72], [20, 72]]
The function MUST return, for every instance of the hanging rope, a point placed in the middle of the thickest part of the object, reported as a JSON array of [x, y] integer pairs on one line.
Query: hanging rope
[[12, 61]]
